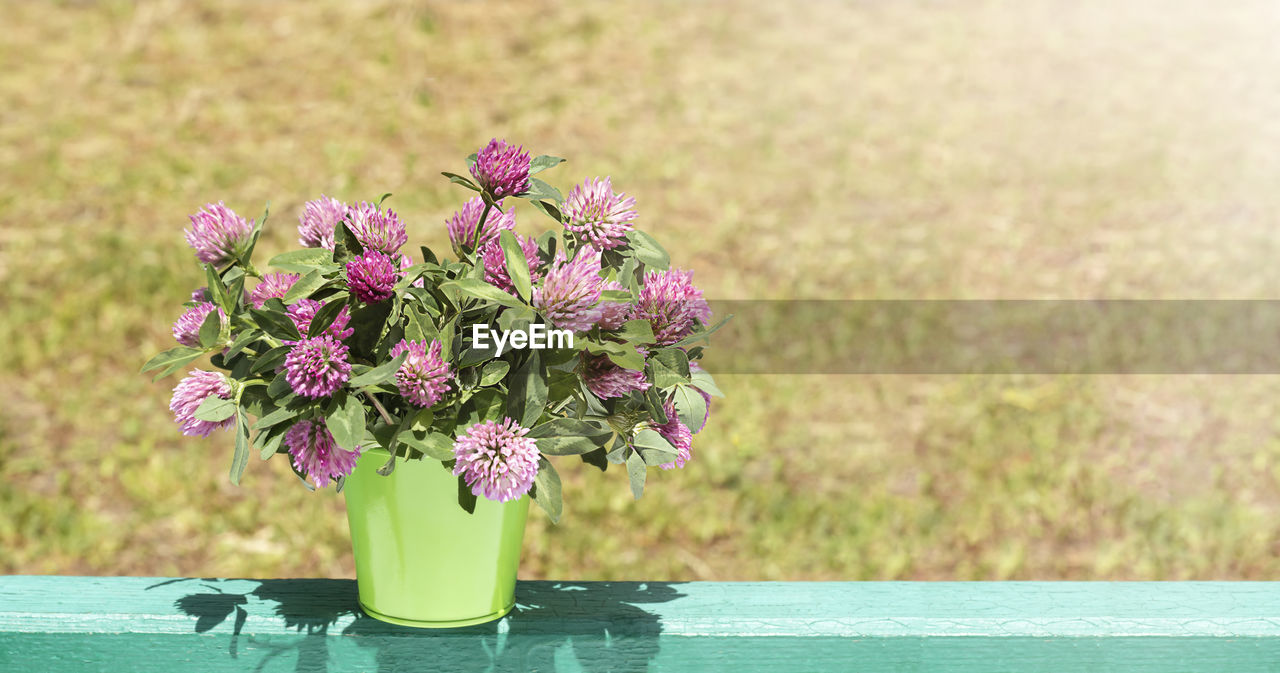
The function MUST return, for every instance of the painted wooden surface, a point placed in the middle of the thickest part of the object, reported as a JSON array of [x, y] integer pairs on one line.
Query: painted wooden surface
[[159, 624]]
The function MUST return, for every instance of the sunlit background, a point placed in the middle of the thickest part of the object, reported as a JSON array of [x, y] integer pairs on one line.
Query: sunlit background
[[821, 150]]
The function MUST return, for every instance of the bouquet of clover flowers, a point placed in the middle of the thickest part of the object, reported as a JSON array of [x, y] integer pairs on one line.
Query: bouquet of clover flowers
[[581, 341]]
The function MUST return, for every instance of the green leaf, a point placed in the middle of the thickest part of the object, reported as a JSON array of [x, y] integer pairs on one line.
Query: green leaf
[[279, 387], [597, 459], [244, 339], [171, 360], [385, 435], [648, 250], [241, 457], [570, 427], [461, 180], [670, 366], [627, 276], [493, 372], [541, 191], [482, 290], [276, 417], [543, 162], [215, 409], [547, 243], [235, 289], [345, 420], [548, 208], [368, 322], [517, 265], [413, 273], [654, 448], [570, 446], [422, 420], [701, 379], [636, 473], [623, 355], [314, 280], [702, 336], [437, 445], [466, 499], [268, 441], [388, 467], [653, 402], [275, 323], [527, 391], [325, 317], [419, 327], [691, 407], [382, 198], [615, 296], [217, 291], [447, 335], [305, 261], [247, 255], [485, 405], [383, 372], [474, 356], [346, 246], [239, 366], [309, 257], [270, 359], [516, 320], [637, 331], [546, 490]]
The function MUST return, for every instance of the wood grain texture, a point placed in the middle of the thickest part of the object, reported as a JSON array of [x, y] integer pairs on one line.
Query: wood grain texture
[[166, 624]]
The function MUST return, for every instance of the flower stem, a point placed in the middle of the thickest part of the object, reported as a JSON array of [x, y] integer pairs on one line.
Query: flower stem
[[382, 411], [475, 236]]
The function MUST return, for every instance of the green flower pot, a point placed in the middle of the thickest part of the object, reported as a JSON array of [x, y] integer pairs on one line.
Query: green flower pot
[[421, 560]]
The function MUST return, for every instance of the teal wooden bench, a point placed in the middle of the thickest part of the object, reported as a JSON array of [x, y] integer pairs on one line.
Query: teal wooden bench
[[313, 625]]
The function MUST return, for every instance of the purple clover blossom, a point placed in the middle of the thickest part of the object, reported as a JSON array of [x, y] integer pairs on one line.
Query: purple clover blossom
[[606, 379], [424, 377], [316, 455], [303, 312], [495, 262], [502, 169], [379, 230], [317, 367], [462, 226], [569, 294], [613, 314], [217, 234], [190, 393], [497, 460], [372, 276], [671, 303], [601, 217], [319, 220], [186, 329], [272, 286], [675, 432]]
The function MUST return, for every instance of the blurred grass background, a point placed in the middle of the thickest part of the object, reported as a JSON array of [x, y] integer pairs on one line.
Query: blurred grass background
[[830, 150]]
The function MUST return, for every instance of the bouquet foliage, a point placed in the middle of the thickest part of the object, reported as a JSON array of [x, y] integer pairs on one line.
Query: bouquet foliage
[[579, 342]]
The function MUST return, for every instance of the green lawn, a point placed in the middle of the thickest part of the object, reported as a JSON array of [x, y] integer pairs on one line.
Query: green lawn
[[830, 150]]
